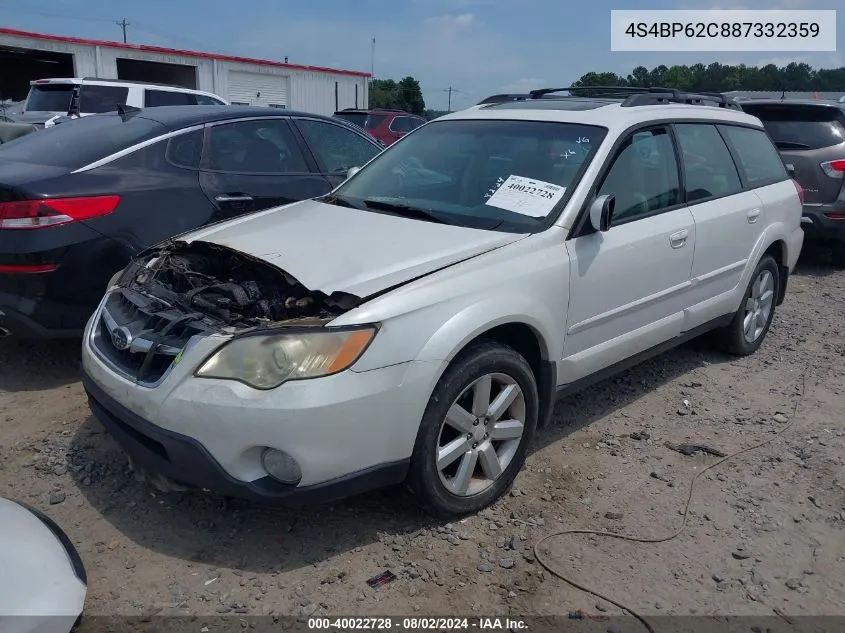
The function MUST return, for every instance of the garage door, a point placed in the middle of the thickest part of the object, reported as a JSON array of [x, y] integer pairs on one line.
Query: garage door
[[257, 89]]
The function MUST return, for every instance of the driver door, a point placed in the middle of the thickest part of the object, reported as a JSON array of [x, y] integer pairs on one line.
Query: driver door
[[629, 285]]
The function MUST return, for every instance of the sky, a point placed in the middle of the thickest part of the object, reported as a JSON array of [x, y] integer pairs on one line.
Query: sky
[[477, 47]]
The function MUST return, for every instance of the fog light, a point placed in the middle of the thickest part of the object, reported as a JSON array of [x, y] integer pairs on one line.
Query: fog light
[[281, 466]]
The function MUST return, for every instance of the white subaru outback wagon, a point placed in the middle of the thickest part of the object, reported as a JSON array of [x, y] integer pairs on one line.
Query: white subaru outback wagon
[[416, 324]]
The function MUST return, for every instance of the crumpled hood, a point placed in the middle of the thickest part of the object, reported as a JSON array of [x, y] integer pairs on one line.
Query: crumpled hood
[[330, 248]]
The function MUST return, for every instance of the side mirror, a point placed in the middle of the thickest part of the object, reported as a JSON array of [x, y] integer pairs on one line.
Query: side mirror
[[352, 171], [601, 210]]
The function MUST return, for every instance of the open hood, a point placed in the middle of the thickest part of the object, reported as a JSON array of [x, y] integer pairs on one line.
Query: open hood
[[338, 249]]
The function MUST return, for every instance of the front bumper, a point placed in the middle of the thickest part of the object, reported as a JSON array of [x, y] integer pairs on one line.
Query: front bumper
[[349, 432], [818, 226]]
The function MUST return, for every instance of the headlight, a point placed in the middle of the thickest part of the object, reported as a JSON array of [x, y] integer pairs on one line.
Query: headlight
[[266, 361]]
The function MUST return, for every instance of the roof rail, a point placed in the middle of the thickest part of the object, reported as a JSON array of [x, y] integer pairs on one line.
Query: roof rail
[[630, 95], [504, 98], [671, 95]]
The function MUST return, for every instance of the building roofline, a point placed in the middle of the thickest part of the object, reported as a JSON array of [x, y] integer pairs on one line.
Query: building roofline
[[175, 51]]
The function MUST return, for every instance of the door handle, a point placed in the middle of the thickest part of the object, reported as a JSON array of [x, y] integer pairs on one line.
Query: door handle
[[679, 239], [753, 215], [238, 197]]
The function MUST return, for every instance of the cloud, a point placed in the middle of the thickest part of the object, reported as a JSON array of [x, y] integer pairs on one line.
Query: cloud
[[450, 21]]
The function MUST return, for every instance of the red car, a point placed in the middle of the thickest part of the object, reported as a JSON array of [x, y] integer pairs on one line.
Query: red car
[[387, 126]]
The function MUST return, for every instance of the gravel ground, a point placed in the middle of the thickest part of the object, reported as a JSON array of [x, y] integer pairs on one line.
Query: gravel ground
[[766, 531]]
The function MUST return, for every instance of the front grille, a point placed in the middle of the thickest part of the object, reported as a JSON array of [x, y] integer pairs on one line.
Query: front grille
[[140, 337]]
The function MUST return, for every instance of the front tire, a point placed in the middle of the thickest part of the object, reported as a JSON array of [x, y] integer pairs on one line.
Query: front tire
[[745, 333], [476, 429]]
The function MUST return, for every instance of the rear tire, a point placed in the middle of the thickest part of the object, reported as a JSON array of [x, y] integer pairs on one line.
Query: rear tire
[[476, 429], [750, 324]]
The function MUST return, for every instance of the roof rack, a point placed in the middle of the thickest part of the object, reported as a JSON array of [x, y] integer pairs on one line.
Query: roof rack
[[630, 95]]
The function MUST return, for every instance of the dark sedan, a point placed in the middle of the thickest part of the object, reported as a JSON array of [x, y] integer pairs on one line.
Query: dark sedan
[[79, 200]]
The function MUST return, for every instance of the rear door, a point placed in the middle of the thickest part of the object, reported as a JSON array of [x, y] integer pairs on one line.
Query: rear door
[[728, 220], [807, 135], [337, 148], [255, 164]]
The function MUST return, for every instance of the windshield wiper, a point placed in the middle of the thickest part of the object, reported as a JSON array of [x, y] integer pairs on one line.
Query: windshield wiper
[[405, 210], [339, 201]]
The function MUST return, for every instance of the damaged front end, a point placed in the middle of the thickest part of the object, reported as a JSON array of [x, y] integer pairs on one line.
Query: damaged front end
[[178, 291]]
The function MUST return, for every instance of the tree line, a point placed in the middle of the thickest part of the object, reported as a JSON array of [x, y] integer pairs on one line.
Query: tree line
[[716, 77]]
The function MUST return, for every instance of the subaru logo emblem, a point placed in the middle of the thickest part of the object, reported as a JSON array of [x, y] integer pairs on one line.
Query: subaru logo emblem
[[121, 338]]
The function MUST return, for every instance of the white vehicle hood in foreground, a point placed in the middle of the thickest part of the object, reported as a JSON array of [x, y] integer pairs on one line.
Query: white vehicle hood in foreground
[[331, 248], [39, 589]]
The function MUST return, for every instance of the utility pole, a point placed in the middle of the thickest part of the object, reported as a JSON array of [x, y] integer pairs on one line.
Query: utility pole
[[450, 90], [123, 24]]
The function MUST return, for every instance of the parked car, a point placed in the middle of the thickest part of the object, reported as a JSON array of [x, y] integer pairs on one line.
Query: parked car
[[43, 582], [49, 98], [416, 324], [387, 126], [77, 201], [811, 138]]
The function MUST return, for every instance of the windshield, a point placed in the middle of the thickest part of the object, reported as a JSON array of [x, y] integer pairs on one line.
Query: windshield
[[49, 98], [506, 175], [78, 142], [800, 126]]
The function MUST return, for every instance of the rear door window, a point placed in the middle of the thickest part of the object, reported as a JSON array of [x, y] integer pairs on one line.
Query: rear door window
[[758, 158], [49, 98], [79, 142], [797, 127], [709, 170], [153, 98], [98, 99], [263, 146]]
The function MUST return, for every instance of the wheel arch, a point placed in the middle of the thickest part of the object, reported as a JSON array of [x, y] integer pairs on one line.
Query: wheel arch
[[778, 250], [527, 335]]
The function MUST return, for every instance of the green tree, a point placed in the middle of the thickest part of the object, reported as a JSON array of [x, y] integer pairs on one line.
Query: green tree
[[403, 95]]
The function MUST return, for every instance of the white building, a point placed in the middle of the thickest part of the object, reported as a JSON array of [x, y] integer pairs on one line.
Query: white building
[[27, 56]]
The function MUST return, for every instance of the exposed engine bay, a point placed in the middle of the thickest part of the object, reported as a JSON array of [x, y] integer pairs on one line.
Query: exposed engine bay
[[228, 288]]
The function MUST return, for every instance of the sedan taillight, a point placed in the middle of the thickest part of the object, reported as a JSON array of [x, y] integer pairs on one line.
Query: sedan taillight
[[37, 214], [834, 168]]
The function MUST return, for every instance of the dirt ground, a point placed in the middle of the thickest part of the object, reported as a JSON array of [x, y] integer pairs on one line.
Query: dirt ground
[[766, 531]]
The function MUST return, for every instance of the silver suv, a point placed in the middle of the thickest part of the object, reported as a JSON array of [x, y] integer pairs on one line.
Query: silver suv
[[416, 324]]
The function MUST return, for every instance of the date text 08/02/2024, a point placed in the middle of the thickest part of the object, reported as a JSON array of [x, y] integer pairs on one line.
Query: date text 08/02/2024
[[416, 624]]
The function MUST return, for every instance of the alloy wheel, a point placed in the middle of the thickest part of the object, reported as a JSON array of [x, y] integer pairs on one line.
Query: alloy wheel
[[481, 434]]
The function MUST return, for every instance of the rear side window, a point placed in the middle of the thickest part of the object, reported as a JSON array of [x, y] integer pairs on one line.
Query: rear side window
[[98, 99], [153, 98], [758, 158], [797, 127], [49, 98], [76, 143], [709, 169]]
